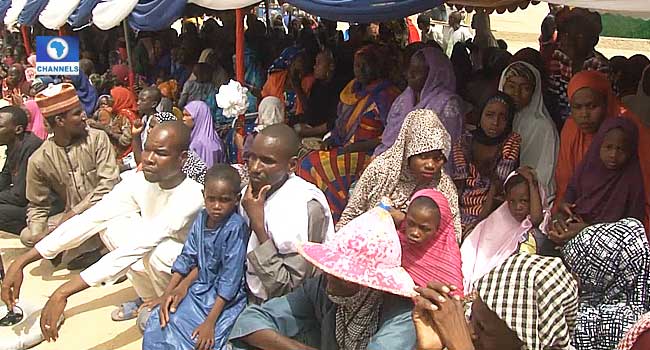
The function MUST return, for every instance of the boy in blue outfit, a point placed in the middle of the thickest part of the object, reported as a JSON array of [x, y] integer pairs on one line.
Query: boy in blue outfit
[[206, 293]]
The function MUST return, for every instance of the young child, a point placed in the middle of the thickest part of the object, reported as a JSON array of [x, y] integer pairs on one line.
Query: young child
[[516, 226], [117, 127], [429, 248], [206, 292]]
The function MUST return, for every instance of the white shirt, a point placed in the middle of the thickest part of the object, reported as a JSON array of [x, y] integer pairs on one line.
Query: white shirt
[[286, 219], [164, 214], [459, 35]]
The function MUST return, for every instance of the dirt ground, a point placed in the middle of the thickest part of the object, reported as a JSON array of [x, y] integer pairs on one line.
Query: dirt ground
[[88, 324]]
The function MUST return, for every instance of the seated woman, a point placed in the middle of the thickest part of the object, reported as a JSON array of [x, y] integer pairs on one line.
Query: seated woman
[[608, 184], [431, 85], [512, 228], [429, 248], [540, 141], [528, 302], [15, 87], [414, 162], [288, 80], [611, 262], [199, 89], [204, 139], [483, 159], [116, 126], [592, 101], [363, 108]]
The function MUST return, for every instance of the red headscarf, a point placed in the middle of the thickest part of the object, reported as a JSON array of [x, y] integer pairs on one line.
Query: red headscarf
[[574, 143], [124, 102], [439, 258]]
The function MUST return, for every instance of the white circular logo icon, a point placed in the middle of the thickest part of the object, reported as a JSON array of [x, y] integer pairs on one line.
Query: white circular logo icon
[[57, 49]]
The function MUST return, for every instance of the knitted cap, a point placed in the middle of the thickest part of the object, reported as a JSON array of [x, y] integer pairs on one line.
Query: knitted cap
[[57, 99]]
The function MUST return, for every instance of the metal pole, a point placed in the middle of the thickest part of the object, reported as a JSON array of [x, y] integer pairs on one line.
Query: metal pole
[[267, 6], [28, 47], [239, 46], [128, 53]]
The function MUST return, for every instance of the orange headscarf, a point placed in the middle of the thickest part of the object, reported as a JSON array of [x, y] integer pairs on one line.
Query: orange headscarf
[[124, 102], [574, 143]]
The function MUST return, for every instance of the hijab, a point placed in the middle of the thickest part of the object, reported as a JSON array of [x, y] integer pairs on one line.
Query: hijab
[[574, 143], [121, 73], [36, 124], [86, 92], [389, 174], [205, 141], [438, 88], [480, 136], [639, 104], [537, 298], [540, 142], [285, 59], [494, 240], [124, 102], [604, 195], [270, 112], [437, 259]]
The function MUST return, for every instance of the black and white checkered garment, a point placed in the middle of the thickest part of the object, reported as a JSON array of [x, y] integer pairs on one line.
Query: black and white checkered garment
[[612, 264], [537, 298]]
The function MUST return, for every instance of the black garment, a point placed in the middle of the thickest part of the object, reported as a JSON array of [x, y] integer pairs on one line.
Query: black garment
[[323, 101], [13, 202]]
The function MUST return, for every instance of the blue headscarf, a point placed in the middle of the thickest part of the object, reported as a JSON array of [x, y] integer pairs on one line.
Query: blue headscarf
[[86, 92], [286, 57]]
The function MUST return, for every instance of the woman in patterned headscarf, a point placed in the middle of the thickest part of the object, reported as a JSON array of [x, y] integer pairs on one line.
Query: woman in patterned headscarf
[[612, 263], [414, 162], [529, 302]]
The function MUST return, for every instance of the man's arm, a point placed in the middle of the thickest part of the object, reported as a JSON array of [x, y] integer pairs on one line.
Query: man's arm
[[13, 191], [107, 171], [281, 273], [38, 194], [53, 309]]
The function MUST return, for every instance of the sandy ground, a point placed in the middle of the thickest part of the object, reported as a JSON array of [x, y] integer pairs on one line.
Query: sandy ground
[[88, 324]]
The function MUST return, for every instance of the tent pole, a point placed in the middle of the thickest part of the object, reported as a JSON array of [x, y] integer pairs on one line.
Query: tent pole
[[267, 6], [128, 53], [28, 47], [239, 45]]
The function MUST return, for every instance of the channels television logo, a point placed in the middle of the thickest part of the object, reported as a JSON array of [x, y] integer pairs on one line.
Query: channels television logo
[[57, 55]]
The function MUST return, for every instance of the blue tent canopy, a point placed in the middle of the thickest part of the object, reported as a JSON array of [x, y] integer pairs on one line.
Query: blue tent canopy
[[364, 11], [82, 15], [152, 15], [30, 12]]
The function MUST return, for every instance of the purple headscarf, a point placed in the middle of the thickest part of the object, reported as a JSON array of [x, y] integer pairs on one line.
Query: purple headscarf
[[205, 141], [439, 87], [604, 195]]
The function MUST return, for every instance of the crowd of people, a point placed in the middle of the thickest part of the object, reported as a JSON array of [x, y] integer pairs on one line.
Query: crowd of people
[[396, 191]]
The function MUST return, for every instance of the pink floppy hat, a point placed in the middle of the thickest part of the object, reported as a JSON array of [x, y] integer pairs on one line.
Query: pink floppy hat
[[366, 251]]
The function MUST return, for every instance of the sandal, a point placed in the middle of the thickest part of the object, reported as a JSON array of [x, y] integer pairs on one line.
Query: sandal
[[126, 311]]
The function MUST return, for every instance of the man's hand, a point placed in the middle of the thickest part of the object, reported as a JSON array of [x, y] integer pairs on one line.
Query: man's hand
[[149, 305], [170, 304], [50, 316], [254, 204], [11, 285], [137, 127], [204, 336]]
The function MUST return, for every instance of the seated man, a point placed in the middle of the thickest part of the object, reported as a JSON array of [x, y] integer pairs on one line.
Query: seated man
[[349, 306], [144, 220], [76, 165], [281, 209], [20, 146]]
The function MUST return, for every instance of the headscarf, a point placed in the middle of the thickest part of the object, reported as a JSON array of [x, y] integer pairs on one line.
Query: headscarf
[[604, 195], [86, 92], [124, 102], [574, 143], [439, 258], [357, 318], [36, 124], [480, 136], [389, 173], [205, 141], [537, 298], [639, 104], [286, 58], [612, 264], [438, 88], [540, 142], [121, 73], [169, 89], [494, 240], [270, 112], [165, 117]]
